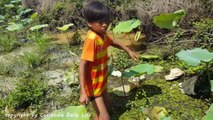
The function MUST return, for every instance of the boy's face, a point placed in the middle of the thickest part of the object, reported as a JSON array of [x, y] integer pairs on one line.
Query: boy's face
[[99, 27]]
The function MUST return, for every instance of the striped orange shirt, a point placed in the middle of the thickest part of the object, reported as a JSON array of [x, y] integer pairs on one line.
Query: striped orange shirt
[[95, 51]]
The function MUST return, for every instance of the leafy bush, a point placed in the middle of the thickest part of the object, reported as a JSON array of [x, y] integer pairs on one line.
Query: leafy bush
[[76, 39], [4, 69], [2, 3], [41, 40], [122, 61], [33, 60], [28, 92], [8, 42], [204, 33], [63, 13]]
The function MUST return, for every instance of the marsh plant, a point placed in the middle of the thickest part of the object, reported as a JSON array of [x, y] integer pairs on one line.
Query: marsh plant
[[76, 39], [32, 60], [4, 69], [42, 44], [203, 33], [122, 61], [27, 92], [8, 42]]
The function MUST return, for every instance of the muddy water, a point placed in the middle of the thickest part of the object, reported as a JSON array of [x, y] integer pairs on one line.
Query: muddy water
[[126, 39]]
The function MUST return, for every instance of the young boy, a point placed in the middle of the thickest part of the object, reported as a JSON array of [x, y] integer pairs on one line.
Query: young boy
[[93, 64]]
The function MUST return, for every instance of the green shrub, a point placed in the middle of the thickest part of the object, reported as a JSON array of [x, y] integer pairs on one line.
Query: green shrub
[[204, 33], [8, 42], [4, 69], [32, 60], [2, 3], [63, 13], [28, 92], [76, 39], [122, 61]]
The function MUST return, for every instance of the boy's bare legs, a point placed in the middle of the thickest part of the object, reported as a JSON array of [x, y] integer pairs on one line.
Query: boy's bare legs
[[100, 108]]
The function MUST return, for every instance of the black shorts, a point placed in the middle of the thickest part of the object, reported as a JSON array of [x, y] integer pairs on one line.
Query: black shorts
[[91, 98]]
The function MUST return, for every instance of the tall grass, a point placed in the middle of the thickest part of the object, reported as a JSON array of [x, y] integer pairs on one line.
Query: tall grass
[[41, 40], [32, 60], [8, 42]]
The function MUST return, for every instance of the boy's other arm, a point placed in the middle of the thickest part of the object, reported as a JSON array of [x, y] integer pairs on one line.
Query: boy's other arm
[[119, 45], [82, 77]]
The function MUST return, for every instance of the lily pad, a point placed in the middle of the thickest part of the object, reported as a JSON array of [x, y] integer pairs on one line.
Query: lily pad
[[128, 73], [2, 17], [65, 27], [168, 21], [9, 6], [209, 114], [126, 26], [195, 56], [34, 15], [145, 56], [25, 11], [15, 1], [15, 27], [143, 68], [69, 113], [37, 27]]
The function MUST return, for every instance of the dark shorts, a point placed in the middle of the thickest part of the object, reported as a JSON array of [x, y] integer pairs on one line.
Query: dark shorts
[[91, 98]]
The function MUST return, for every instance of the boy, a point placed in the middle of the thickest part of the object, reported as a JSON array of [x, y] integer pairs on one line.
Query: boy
[[93, 64]]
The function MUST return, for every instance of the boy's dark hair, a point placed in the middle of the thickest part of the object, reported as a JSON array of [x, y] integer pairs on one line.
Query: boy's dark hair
[[95, 11]]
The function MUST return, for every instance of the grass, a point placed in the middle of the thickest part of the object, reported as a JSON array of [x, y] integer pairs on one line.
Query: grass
[[32, 60], [8, 42]]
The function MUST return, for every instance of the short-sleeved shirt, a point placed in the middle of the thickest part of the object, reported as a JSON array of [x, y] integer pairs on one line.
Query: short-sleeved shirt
[[95, 51]]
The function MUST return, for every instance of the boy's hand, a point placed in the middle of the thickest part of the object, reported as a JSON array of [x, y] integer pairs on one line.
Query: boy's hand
[[84, 99], [133, 55]]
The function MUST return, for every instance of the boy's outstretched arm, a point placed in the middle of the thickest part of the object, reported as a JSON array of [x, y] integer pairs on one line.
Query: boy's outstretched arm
[[82, 77], [119, 45]]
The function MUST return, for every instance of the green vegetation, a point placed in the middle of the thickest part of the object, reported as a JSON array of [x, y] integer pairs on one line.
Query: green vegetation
[[46, 69], [28, 92], [8, 42]]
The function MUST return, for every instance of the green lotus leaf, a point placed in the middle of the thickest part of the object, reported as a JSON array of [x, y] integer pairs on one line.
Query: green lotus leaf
[[37, 27], [65, 27], [26, 21], [15, 27], [209, 114], [69, 113], [25, 11], [15, 1], [126, 26], [129, 73], [166, 118], [195, 56], [2, 17], [143, 68], [168, 21], [9, 6], [34, 15], [146, 56], [211, 82]]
